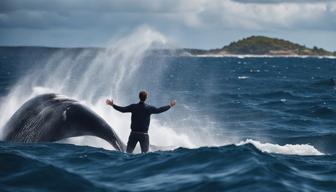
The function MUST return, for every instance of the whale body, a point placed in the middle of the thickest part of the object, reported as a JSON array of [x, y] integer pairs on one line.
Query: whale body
[[50, 117]]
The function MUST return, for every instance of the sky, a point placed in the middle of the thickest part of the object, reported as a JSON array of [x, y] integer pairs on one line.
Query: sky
[[188, 23]]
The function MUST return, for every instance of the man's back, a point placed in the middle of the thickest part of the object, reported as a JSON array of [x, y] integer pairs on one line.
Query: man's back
[[141, 115]]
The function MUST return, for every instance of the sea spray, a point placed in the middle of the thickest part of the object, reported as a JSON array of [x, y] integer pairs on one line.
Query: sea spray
[[91, 76]]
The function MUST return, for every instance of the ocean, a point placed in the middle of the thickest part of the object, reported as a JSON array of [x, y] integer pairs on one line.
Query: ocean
[[240, 123]]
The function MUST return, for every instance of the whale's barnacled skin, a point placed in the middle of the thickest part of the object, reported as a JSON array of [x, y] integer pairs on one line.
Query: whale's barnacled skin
[[49, 117]]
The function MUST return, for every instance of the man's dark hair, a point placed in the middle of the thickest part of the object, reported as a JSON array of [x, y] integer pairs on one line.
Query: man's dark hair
[[143, 95]]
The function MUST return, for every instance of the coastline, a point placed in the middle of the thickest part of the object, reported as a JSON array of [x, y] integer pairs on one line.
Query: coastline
[[180, 52], [265, 56]]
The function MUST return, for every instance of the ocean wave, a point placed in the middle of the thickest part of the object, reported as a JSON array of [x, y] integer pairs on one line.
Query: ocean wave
[[310, 109], [287, 149], [243, 77], [324, 143], [322, 111], [281, 96], [278, 94], [326, 82], [241, 167], [23, 172]]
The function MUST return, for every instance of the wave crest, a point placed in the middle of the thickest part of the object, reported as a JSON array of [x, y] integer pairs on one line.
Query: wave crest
[[287, 149]]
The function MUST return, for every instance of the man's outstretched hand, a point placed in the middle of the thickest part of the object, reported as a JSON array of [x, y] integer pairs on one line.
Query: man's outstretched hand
[[109, 102], [172, 103]]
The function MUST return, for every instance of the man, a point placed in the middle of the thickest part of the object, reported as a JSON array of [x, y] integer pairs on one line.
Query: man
[[140, 120]]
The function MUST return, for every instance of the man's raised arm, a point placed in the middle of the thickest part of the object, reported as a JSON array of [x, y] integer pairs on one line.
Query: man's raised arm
[[119, 108], [155, 110]]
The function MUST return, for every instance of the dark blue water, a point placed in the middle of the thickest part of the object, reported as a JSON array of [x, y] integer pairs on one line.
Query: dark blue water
[[60, 167], [271, 101]]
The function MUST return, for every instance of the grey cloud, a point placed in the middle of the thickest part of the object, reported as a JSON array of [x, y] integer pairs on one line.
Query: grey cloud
[[275, 16], [282, 1], [83, 14], [40, 14], [101, 5], [75, 20]]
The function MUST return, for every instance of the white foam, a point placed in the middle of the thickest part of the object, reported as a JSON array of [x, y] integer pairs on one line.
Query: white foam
[[288, 149], [243, 77]]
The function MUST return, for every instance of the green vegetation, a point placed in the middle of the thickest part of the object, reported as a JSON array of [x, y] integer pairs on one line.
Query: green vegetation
[[261, 45]]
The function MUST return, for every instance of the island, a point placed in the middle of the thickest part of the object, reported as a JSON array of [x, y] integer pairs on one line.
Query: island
[[254, 46], [262, 45]]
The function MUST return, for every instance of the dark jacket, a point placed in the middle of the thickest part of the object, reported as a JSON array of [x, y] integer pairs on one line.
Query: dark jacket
[[141, 114]]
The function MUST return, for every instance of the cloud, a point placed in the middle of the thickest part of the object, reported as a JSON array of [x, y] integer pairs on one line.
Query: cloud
[[282, 1], [101, 5], [267, 16], [254, 14], [177, 17]]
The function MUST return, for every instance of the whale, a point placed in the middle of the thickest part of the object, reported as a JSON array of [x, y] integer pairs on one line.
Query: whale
[[52, 117]]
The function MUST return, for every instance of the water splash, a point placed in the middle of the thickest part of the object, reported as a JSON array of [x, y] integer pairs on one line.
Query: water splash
[[92, 76]]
